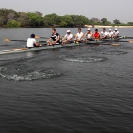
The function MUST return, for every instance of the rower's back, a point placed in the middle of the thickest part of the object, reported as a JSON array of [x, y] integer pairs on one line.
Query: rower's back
[[31, 41]]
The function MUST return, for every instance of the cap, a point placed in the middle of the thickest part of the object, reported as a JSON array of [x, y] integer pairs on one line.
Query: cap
[[88, 29], [109, 29], [115, 28], [68, 31]]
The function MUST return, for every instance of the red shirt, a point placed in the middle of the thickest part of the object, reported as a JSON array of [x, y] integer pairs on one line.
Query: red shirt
[[96, 35]]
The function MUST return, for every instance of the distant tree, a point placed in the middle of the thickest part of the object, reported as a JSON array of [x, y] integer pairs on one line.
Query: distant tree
[[104, 20], [23, 19], [13, 24], [130, 23], [116, 21], [51, 19], [63, 24], [35, 20], [95, 21], [38, 13], [10, 16]]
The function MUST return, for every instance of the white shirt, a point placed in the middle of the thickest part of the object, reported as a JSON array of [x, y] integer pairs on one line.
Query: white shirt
[[103, 34], [110, 34], [116, 33], [79, 35], [89, 36], [68, 36], [30, 42]]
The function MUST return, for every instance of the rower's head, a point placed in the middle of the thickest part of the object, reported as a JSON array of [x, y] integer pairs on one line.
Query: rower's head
[[115, 29], [53, 30], [68, 31], [89, 30], [79, 30], [104, 29], [109, 30], [32, 35], [96, 30]]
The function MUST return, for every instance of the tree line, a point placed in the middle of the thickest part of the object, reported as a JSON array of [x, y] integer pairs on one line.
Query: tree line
[[12, 19]]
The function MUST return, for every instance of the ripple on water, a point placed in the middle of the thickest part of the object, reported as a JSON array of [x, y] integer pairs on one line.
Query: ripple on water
[[17, 74], [126, 48], [82, 59], [112, 52]]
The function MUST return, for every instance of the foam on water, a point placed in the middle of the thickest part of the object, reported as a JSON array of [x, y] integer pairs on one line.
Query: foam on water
[[83, 59], [18, 75]]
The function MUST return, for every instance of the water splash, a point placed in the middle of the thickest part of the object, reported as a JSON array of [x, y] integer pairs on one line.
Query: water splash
[[17, 75]]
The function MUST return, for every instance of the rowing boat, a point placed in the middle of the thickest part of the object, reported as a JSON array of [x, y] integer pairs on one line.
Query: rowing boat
[[45, 47]]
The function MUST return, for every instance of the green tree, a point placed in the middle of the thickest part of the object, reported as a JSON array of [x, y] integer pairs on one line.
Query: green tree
[[50, 19], [130, 23], [13, 24], [63, 24], [116, 21], [23, 19], [95, 21], [104, 20], [35, 20]]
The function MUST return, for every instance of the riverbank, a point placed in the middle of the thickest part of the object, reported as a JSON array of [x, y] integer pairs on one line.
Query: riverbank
[[102, 26]]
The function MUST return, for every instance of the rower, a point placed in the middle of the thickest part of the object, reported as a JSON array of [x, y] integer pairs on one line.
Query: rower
[[79, 36], [88, 36], [116, 33], [110, 33], [68, 38], [54, 39], [96, 35], [104, 34], [31, 42]]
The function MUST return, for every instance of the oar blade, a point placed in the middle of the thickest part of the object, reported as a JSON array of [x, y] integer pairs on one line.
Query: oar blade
[[131, 41], [6, 40], [37, 37], [115, 44]]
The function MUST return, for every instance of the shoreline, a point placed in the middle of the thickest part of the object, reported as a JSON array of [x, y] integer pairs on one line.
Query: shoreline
[[102, 26]]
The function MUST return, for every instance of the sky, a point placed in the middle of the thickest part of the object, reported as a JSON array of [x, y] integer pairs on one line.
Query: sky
[[110, 9]]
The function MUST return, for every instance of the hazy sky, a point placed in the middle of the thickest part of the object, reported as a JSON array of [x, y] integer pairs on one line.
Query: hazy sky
[[110, 9]]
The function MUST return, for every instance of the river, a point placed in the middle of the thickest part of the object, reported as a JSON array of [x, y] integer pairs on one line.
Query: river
[[85, 88]]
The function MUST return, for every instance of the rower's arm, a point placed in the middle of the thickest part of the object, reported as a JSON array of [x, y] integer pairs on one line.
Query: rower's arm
[[75, 36], [58, 38], [91, 35], [63, 38], [49, 39]]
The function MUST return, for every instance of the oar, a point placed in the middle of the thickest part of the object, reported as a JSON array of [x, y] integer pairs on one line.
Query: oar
[[41, 37], [126, 37], [130, 41], [7, 40]]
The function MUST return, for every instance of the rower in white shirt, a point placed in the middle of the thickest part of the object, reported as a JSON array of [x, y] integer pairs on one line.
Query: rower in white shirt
[[104, 34], [68, 38], [110, 33], [79, 36], [88, 36], [116, 33], [31, 42]]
